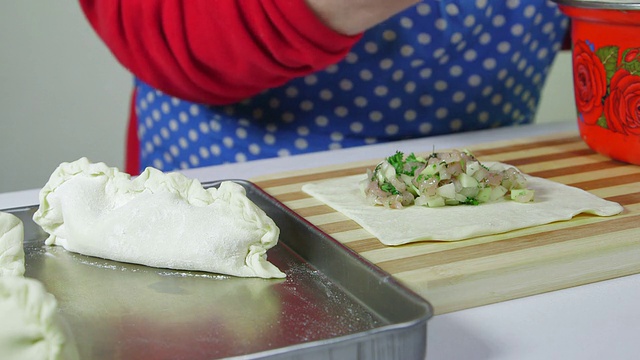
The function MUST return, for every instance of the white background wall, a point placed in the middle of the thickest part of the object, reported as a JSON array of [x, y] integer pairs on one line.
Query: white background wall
[[63, 96]]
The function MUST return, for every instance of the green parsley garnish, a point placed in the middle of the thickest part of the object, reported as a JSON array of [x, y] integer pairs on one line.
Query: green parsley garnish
[[397, 161], [471, 201], [387, 187]]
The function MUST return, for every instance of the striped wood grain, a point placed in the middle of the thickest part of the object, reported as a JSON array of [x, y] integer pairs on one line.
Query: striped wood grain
[[488, 269]]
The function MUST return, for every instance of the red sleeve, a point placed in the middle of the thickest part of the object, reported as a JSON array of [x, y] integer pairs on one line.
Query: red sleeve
[[132, 144], [216, 51]]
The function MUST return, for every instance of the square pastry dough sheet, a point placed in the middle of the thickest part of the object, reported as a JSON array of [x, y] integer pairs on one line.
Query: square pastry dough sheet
[[553, 202]]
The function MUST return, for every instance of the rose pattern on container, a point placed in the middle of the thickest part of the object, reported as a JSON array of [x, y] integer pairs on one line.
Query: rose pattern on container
[[607, 86]]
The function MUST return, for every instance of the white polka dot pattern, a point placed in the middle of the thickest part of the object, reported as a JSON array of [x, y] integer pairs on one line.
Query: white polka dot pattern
[[436, 68]]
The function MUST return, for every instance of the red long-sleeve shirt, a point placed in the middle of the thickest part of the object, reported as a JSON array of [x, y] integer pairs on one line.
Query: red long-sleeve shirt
[[213, 51], [216, 51]]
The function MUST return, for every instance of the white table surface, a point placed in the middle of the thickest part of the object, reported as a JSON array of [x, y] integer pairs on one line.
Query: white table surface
[[594, 321]]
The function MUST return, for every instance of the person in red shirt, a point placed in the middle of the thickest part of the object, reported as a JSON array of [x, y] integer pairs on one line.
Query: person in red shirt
[[238, 80]]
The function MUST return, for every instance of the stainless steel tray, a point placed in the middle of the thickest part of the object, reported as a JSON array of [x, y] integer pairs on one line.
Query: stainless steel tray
[[333, 304]]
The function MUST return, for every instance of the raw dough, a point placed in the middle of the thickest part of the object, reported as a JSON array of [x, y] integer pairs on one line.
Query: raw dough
[[11, 250], [31, 328], [553, 202], [157, 219]]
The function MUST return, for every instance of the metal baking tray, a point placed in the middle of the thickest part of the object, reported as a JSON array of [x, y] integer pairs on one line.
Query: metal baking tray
[[332, 305]]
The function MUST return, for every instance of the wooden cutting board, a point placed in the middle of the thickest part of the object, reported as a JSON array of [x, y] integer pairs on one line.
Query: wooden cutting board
[[468, 273]]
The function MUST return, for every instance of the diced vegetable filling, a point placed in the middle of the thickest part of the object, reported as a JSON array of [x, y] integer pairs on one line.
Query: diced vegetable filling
[[444, 178]]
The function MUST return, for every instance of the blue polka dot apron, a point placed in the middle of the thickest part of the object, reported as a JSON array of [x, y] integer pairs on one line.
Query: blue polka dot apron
[[437, 68]]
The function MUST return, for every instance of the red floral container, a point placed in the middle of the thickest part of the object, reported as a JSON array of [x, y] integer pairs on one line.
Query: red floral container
[[606, 74]]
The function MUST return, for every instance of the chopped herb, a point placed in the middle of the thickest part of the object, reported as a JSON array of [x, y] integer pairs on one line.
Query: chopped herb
[[387, 187], [397, 161], [412, 159], [471, 201]]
